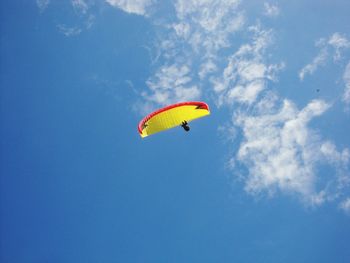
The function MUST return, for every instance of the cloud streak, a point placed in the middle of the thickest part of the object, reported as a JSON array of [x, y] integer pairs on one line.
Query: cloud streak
[[137, 7], [42, 4], [345, 206], [339, 43], [206, 26], [190, 49], [271, 10], [84, 16], [69, 31], [80, 6], [346, 78], [333, 47], [246, 74], [318, 61], [170, 84]]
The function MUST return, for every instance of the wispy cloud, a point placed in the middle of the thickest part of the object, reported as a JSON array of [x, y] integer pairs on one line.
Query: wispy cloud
[[190, 48], [89, 22], [138, 7], [170, 84], [69, 31], [333, 47], [339, 43], [318, 61], [84, 18], [80, 6], [245, 75], [42, 4], [207, 25], [271, 10], [346, 78], [345, 206]]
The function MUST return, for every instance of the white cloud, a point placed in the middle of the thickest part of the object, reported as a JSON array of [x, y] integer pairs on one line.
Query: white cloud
[[182, 30], [333, 47], [339, 43], [329, 150], [346, 78], [89, 21], [271, 10], [245, 75], [170, 84], [69, 31], [281, 151], [190, 48], [80, 6], [318, 61], [42, 4], [246, 94], [84, 15], [206, 26], [345, 205], [211, 16], [206, 68], [250, 71], [138, 7]]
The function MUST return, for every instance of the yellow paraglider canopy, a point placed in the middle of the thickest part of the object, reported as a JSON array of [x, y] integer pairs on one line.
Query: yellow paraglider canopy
[[172, 116]]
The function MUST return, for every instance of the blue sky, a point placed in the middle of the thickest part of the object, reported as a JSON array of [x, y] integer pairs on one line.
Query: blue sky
[[264, 178]]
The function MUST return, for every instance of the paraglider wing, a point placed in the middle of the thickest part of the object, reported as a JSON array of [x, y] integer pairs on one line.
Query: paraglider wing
[[172, 116]]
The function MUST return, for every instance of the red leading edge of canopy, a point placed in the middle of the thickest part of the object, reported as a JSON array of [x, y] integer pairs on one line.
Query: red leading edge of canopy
[[149, 116]]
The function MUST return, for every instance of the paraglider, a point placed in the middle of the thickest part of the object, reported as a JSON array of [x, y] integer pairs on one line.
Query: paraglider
[[179, 114]]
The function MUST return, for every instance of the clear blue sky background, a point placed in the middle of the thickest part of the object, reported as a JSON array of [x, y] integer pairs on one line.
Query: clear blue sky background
[[78, 184]]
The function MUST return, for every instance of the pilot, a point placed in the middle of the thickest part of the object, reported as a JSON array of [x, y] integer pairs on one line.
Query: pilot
[[185, 126]]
